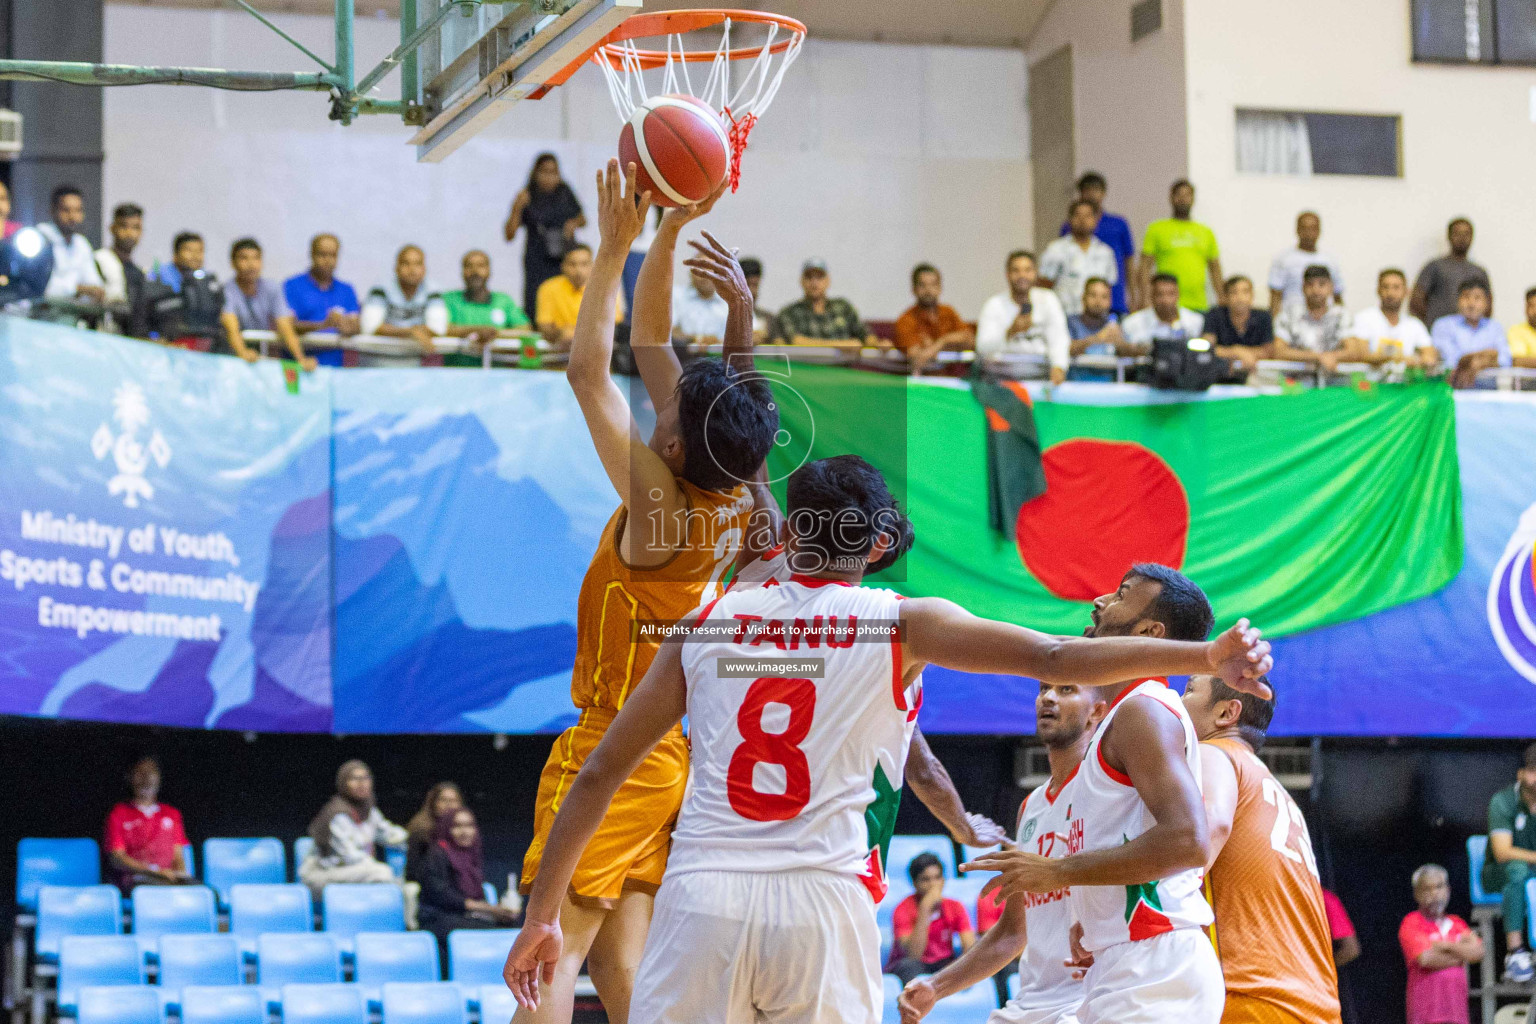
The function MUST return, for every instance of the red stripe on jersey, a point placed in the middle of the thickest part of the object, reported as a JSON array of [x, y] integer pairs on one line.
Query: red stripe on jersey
[[1161, 681], [1050, 797], [813, 582], [1110, 770]]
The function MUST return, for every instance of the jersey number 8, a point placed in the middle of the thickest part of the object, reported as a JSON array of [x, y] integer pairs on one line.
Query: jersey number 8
[[776, 748]]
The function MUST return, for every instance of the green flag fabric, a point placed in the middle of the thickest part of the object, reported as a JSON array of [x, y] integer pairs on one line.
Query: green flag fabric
[[1296, 510], [1014, 472]]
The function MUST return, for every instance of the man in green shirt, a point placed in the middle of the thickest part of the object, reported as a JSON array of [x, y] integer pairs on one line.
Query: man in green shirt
[[1512, 860], [1184, 248], [816, 316], [476, 312]]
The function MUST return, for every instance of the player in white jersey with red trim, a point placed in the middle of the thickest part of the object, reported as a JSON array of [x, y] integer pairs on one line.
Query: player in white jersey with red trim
[[1141, 840], [767, 909], [1035, 924]]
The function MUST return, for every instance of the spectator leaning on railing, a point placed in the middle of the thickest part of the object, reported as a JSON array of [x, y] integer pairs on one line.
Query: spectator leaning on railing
[[253, 303], [928, 325], [477, 313], [1164, 320], [1469, 341], [75, 277], [1511, 861], [1240, 333], [1287, 271], [186, 303], [698, 311], [123, 279], [1025, 320], [559, 298], [1069, 261], [1313, 330], [1096, 331], [814, 315], [321, 302], [1522, 336], [406, 306], [1386, 333]]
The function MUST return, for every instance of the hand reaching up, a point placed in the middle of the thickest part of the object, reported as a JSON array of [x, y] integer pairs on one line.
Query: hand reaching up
[[677, 216], [721, 266], [620, 216], [1240, 656]]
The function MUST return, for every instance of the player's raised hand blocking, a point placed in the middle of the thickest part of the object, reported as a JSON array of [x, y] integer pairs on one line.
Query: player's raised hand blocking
[[677, 216], [531, 960], [721, 266], [620, 215], [1241, 657]]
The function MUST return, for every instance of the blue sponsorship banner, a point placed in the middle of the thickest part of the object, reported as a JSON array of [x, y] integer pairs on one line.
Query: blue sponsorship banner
[[164, 535]]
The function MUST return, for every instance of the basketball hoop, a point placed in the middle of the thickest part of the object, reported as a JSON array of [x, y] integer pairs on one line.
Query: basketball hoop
[[624, 63]]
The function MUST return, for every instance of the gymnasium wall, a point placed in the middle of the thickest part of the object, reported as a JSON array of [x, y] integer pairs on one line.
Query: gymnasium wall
[[874, 157]]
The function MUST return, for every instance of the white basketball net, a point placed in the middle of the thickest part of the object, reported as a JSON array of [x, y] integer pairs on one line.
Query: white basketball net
[[740, 106]]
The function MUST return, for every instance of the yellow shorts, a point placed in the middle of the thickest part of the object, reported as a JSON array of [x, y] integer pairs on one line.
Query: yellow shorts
[[629, 851]]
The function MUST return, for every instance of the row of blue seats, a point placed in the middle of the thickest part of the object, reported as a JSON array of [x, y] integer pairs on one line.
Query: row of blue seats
[[400, 1003], [226, 863], [475, 958], [966, 1007]]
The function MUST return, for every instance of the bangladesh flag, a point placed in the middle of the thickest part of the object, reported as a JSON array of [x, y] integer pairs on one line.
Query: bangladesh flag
[[1295, 510]]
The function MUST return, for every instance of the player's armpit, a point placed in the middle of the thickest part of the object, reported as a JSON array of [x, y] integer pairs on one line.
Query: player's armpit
[[1218, 784]]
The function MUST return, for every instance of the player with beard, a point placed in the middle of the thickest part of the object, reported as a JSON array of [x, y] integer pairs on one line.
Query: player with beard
[[1139, 837], [1033, 925]]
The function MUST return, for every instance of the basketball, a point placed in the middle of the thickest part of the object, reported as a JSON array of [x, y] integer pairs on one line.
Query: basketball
[[679, 147]]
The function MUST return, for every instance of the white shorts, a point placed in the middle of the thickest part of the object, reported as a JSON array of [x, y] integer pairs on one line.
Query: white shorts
[[731, 947], [1012, 1013], [1173, 978]]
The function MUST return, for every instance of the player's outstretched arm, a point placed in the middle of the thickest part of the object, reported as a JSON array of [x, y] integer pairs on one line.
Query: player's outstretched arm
[[942, 633], [720, 265], [656, 705], [1218, 787], [643, 482], [929, 779], [1000, 946]]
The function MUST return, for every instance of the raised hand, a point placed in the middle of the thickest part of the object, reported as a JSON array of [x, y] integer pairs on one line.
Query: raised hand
[[916, 1000], [677, 216], [981, 830], [532, 958], [620, 217], [1019, 872], [721, 266], [1240, 656]]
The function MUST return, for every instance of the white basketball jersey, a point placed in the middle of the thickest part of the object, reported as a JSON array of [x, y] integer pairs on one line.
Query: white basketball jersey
[[1111, 813], [1046, 828], [795, 769]]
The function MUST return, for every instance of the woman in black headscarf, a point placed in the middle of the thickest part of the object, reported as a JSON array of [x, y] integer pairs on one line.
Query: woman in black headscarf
[[548, 209], [453, 881]]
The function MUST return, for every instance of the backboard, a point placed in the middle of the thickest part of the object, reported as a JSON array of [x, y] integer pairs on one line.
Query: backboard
[[475, 67]]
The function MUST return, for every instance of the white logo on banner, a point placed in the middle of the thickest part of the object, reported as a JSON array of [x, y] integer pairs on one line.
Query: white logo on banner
[[132, 457], [1511, 610]]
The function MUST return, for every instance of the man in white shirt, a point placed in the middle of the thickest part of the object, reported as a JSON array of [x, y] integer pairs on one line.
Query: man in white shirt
[[407, 306], [1386, 333], [698, 311], [74, 276], [1289, 268], [1025, 320], [1069, 261], [1313, 331], [1164, 320]]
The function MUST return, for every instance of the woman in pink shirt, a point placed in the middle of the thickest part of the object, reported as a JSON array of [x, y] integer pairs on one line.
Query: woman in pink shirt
[[1437, 947]]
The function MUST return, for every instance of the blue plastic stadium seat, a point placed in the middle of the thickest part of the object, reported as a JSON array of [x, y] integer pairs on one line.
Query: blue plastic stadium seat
[[229, 862], [477, 955], [349, 909], [75, 910], [256, 910], [490, 892], [1530, 919], [222, 1004], [904, 848], [967, 1007], [1477, 852], [430, 1002], [1013, 985], [891, 991], [301, 848], [118, 1004], [323, 1004], [171, 909], [189, 859], [969, 853], [96, 960], [198, 960], [496, 1004], [383, 957], [396, 861], [41, 862], [295, 959]]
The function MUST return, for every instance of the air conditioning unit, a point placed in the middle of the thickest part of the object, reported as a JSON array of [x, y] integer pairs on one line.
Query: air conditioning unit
[[10, 135]]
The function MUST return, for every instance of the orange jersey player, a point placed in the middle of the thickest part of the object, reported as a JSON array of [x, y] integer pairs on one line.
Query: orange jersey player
[[1271, 931]]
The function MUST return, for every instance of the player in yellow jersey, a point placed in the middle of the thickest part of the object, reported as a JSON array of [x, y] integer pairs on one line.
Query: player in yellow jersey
[[684, 504]]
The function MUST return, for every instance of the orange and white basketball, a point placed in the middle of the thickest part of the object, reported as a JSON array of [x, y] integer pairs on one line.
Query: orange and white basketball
[[679, 148]]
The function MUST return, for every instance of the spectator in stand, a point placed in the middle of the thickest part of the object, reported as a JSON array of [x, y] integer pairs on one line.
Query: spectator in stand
[[816, 316], [559, 297], [1469, 341], [476, 312], [441, 799], [762, 319], [1313, 331], [1240, 333], [453, 881], [1437, 947], [185, 302], [8, 227], [122, 279], [1385, 333], [928, 326], [1025, 320], [1522, 336], [1346, 945], [548, 208], [1512, 860], [319, 301], [1114, 231], [698, 312], [75, 277], [1288, 269], [1182, 248], [927, 923], [1069, 261], [253, 303], [145, 838], [1437, 292], [1164, 320], [406, 306], [1095, 332], [347, 833]]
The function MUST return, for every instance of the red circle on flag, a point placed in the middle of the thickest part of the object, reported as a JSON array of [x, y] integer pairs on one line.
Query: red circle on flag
[[1107, 505]]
